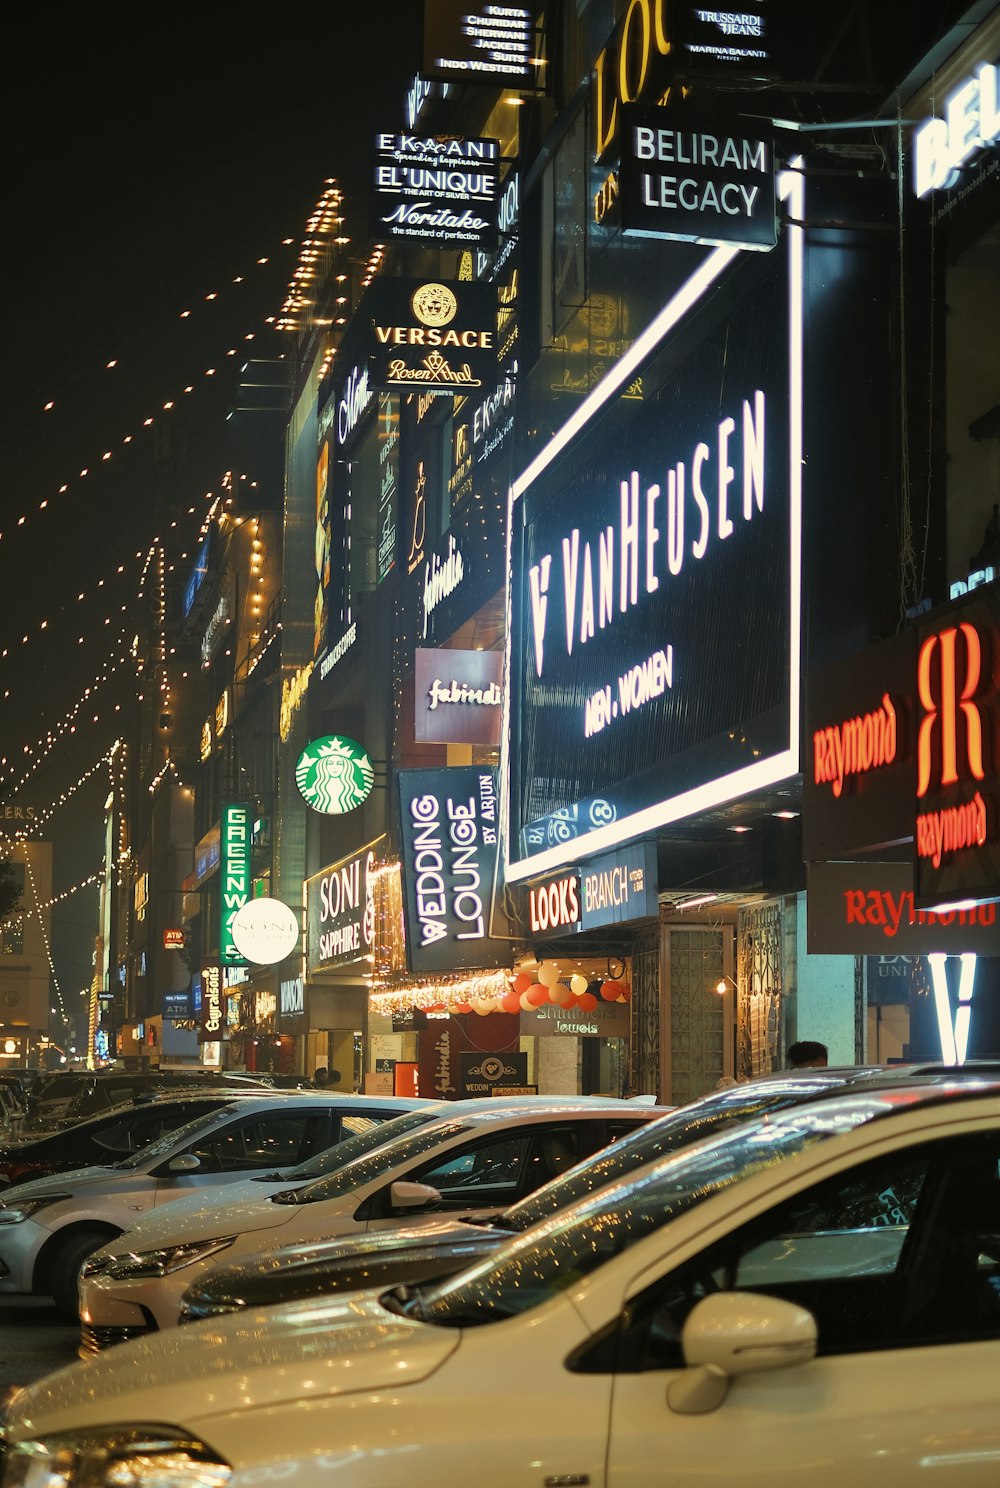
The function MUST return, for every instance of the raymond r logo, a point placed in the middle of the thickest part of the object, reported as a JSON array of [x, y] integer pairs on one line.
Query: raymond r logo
[[944, 702], [434, 304]]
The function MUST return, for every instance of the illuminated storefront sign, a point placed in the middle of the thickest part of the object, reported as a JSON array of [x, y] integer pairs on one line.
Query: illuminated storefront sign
[[854, 747], [339, 651], [197, 574], [265, 931], [870, 909], [472, 41], [388, 491], [352, 404], [449, 835], [954, 1023], [612, 889], [213, 1023], [293, 689], [173, 940], [442, 576], [665, 669], [433, 336], [695, 183], [340, 910], [436, 190], [334, 774], [236, 826], [969, 123], [292, 998], [458, 696]]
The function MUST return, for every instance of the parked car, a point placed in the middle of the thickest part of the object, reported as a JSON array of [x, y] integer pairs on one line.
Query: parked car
[[111, 1136], [93, 1093], [474, 1156], [813, 1298], [411, 1254], [49, 1226]]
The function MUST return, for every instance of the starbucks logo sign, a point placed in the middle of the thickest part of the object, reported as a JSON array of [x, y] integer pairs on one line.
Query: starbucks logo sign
[[334, 774]]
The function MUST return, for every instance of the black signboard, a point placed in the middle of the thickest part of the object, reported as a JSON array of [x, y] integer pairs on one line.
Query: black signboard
[[472, 41], [436, 190], [177, 1006], [340, 911], [449, 835], [687, 177], [655, 572], [735, 43], [612, 889], [430, 336], [483, 1073], [869, 909]]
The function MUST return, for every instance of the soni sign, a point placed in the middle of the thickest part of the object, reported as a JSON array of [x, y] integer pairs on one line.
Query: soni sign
[[654, 579]]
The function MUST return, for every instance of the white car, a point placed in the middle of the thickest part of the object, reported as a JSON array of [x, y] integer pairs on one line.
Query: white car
[[475, 1155], [50, 1225], [691, 1324]]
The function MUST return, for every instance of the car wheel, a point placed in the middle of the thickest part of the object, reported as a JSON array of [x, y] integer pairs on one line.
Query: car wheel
[[64, 1269]]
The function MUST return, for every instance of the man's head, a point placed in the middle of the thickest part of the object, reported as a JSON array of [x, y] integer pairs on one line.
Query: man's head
[[808, 1054]]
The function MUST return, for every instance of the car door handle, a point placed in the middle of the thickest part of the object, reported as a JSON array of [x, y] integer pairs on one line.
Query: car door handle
[[567, 1480]]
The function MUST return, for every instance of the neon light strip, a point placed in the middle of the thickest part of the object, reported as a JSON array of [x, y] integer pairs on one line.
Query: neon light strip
[[763, 773], [954, 1035]]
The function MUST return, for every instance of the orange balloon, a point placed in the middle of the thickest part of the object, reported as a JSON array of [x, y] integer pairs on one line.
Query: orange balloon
[[521, 982], [511, 1002], [462, 1007], [537, 994], [587, 1002], [611, 991]]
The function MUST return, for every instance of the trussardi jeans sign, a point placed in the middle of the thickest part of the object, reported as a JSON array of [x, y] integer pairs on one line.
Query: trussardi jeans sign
[[448, 834]]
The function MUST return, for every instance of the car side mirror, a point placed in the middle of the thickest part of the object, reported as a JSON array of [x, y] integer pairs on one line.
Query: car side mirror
[[404, 1195], [733, 1333], [184, 1162]]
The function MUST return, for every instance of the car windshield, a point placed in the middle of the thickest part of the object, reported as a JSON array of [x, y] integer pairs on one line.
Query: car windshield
[[534, 1267], [703, 1118], [352, 1148], [171, 1139], [380, 1159]]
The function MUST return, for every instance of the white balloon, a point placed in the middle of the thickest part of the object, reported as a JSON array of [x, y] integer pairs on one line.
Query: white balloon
[[578, 984], [548, 975]]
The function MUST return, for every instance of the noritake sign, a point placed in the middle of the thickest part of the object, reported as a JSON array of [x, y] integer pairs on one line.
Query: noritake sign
[[433, 337], [436, 190], [449, 836], [340, 910], [686, 178]]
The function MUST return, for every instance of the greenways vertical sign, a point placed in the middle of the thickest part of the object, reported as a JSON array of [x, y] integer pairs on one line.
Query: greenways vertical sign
[[234, 875]]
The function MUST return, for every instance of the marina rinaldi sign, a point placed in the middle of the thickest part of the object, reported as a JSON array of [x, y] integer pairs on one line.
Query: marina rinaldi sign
[[334, 774]]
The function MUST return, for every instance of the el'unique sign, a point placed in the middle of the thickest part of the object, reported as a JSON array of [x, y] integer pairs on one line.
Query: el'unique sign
[[473, 41], [449, 839], [869, 909], [236, 842], [458, 696], [436, 190], [684, 177], [432, 336], [340, 910], [611, 889], [655, 585]]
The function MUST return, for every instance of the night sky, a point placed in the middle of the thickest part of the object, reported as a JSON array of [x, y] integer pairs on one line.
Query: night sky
[[150, 160]]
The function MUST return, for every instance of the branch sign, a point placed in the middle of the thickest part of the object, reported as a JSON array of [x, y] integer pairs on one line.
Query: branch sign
[[334, 774]]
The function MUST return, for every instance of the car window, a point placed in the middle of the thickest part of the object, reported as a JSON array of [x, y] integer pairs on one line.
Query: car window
[[353, 1126], [266, 1140], [176, 1140], [382, 1159], [487, 1171], [899, 1252], [362, 1143]]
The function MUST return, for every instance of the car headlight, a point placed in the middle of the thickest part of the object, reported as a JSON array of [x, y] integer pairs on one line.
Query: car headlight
[[163, 1262], [115, 1457], [17, 1213]]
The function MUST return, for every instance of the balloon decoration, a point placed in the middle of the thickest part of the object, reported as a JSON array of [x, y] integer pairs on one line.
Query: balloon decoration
[[537, 994], [587, 1003], [548, 975], [510, 1002], [562, 995], [578, 984], [521, 983], [613, 991]]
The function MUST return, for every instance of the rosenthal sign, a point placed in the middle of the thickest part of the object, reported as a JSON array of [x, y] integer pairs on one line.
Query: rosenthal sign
[[448, 821], [340, 910], [430, 336], [436, 190], [234, 870], [684, 178]]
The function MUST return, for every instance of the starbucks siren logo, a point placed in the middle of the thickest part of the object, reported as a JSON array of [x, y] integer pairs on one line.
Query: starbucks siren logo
[[334, 774]]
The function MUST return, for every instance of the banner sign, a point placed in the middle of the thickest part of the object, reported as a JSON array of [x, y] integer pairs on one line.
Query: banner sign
[[436, 190], [472, 41], [236, 836], [340, 910], [177, 1006], [610, 890], [449, 838], [655, 583], [483, 1074], [458, 696], [292, 998], [213, 1022], [430, 336], [869, 909], [607, 1020], [684, 177]]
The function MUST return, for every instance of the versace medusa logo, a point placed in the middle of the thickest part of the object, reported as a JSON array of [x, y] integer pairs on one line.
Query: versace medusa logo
[[434, 304]]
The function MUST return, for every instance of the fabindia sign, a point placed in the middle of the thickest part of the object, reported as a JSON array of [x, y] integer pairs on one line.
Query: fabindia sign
[[234, 876], [655, 578], [449, 834]]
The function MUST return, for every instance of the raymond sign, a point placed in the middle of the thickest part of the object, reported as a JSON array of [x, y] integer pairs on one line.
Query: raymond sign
[[869, 909]]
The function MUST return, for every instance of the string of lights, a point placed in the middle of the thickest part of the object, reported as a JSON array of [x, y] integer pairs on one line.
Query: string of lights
[[47, 812], [20, 915], [45, 937]]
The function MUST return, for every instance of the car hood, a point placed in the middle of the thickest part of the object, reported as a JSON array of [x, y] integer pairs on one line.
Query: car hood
[[302, 1352], [73, 1182], [352, 1263], [216, 1210]]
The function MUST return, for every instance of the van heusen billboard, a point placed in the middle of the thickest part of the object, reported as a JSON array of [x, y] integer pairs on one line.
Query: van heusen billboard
[[655, 576]]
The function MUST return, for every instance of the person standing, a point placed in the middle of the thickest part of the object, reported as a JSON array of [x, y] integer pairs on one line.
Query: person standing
[[808, 1054]]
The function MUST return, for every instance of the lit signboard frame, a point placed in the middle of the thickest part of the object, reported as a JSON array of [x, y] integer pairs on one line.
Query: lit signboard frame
[[436, 190], [470, 41], [235, 867], [595, 834]]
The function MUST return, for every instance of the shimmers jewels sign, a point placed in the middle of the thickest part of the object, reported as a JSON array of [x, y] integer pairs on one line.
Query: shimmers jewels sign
[[334, 774], [655, 574], [437, 190], [449, 837], [431, 336], [234, 872]]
